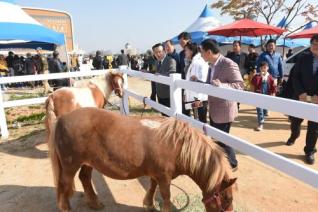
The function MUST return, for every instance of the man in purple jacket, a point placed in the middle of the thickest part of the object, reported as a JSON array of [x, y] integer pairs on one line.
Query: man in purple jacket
[[224, 73]]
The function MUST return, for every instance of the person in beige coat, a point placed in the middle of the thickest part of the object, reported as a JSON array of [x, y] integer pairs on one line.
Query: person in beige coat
[[224, 73]]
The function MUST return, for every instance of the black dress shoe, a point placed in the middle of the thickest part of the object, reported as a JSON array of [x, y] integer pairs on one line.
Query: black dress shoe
[[290, 142], [310, 159]]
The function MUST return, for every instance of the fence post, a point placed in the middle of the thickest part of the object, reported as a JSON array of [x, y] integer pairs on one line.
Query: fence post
[[175, 95], [124, 103], [3, 120]]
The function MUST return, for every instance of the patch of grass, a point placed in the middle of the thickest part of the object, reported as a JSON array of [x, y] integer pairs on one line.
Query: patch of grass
[[35, 107], [148, 111], [25, 96], [182, 202], [35, 117]]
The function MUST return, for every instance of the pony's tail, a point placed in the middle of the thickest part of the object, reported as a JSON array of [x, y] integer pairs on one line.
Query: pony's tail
[[55, 160], [50, 117], [50, 122]]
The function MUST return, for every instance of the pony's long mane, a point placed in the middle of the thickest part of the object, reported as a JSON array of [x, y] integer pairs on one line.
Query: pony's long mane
[[203, 159]]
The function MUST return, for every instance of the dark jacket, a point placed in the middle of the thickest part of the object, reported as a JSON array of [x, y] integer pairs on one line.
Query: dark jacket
[[176, 57], [98, 62], [241, 63], [29, 66], [167, 67], [150, 64], [122, 60], [9, 60], [182, 64], [106, 63], [250, 62], [55, 66], [304, 81]]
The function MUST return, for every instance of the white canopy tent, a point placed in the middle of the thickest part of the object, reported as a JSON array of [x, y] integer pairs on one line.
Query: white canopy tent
[[205, 22], [198, 29], [19, 30]]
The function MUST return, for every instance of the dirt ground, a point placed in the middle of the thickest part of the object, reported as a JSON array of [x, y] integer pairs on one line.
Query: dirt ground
[[26, 182]]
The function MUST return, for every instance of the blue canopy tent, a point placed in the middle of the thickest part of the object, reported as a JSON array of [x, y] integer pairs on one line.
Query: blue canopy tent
[[19, 30], [198, 29]]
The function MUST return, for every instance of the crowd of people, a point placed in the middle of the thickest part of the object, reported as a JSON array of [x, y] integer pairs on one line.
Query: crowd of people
[[15, 65], [100, 61], [260, 73]]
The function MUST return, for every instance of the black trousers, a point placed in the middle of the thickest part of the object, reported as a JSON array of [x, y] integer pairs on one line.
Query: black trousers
[[225, 127], [165, 102], [311, 136], [153, 91], [202, 112]]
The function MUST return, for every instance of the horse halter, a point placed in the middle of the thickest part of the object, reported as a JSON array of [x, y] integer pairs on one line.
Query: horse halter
[[216, 198]]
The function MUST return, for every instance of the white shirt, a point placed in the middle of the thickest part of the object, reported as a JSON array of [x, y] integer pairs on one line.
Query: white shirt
[[198, 68]]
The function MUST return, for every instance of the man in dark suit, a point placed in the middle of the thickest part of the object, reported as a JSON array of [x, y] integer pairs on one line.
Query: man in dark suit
[[165, 66], [122, 59], [184, 38], [238, 56], [98, 61], [305, 88], [171, 52]]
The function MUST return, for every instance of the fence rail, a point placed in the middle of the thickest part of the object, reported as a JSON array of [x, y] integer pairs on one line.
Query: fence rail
[[285, 106], [290, 107], [28, 78]]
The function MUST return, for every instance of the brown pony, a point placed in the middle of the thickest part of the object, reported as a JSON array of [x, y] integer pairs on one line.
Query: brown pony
[[122, 148], [86, 93]]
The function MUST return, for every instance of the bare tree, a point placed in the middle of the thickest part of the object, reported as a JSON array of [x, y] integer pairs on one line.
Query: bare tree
[[270, 10]]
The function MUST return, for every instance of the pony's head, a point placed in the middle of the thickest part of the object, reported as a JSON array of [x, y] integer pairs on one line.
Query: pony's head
[[220, 199], [204, 161], [117, 82]]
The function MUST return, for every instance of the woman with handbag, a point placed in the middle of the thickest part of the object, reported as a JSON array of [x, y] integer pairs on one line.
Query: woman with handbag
[[197, 71]]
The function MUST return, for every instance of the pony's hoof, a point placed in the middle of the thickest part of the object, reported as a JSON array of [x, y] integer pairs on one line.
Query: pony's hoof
[[96, 205]]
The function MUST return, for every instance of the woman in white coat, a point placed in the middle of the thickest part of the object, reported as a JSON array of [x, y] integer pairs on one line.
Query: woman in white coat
[[197, 71]]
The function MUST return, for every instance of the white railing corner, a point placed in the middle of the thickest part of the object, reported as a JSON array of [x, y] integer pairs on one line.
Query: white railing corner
[[3, 120], [124, 104], [175, 95]]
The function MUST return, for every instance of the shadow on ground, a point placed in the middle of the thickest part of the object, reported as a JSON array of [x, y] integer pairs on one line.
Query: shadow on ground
[[26, 146]]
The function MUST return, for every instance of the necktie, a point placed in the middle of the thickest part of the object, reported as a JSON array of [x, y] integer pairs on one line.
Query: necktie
[[159, 64]]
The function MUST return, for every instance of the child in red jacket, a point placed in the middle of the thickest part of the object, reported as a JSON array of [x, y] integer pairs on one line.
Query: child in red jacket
[[263, 83]]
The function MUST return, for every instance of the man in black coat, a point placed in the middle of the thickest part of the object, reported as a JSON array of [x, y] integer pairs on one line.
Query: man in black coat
[[165, 66], [56, 66], [122, 59], [238, 56], [98, 61], [305, 88]]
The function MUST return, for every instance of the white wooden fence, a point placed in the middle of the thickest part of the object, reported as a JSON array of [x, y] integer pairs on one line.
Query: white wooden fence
[[290, 107], [285, 106]]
